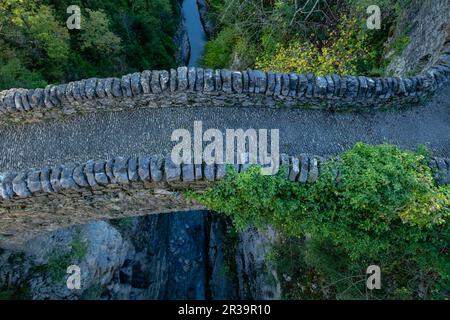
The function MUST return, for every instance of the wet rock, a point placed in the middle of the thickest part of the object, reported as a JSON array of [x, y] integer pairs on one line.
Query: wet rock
[[89, 173], [182, 78], [33, 181], [125, 84], [133, 170], [156, 164], [90, 87], [145, 81], [172, 171], [164, 80], [79, 177]]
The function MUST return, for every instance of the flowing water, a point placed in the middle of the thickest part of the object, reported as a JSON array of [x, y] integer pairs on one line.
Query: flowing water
[[196, 33]]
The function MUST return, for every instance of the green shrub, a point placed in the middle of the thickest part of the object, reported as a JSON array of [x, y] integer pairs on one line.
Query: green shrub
[[14, 75], [123, 224], [383, 208], [400, 44], [306, 36], [255, 199], [17, 292], [218, 52], [344, 52], [37, 48]]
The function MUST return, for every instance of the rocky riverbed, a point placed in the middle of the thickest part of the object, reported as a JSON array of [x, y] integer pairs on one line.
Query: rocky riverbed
[[190, 255]]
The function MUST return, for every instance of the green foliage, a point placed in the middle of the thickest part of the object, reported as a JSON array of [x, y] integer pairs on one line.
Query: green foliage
[[92, 293], [299, 281], [255, 199], [15, 292], [400, 44], [116, 37], [344, 52], [96, 34], [383, 208], [32, 40], [123, 224], [14, 74], [218, 52], [79, 248], [321, 36], [56, 265], [43, 28]]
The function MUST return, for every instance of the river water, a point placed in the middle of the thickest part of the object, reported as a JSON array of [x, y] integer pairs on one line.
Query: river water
[[195, 31]]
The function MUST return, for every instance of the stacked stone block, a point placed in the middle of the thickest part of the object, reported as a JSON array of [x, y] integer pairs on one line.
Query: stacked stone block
[[155, 172]]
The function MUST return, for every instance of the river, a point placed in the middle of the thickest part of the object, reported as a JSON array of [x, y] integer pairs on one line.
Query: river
[[195, 31]]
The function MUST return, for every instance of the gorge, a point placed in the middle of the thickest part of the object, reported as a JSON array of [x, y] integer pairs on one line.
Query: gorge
[[81, 161]]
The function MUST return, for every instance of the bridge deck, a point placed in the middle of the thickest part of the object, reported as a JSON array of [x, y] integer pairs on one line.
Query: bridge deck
[[148, 131]]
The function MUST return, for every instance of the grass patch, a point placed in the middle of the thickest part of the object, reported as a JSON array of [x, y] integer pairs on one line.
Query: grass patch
[[59, 260]]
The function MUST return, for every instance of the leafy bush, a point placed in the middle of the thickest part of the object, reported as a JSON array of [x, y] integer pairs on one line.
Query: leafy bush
[[17, 292], [382, 208], [218, 52], [342, 53], [260, 26], [14, 74], [321, 36], [255, 199], [97, 36], [123, 224]]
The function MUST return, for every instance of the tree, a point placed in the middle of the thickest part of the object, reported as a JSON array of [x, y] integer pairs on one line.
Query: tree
[[49, 36], [40, 41], [96, 34]]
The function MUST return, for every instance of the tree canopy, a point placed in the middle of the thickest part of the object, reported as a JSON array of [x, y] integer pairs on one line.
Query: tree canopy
[[116, 37]]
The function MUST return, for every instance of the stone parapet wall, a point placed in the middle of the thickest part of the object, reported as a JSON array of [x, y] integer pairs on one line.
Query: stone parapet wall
[[35, 201], [205, 87], [155, 172]]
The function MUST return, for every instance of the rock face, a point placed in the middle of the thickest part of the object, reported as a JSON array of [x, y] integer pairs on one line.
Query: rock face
[[208, 25], [190, 255], [256, 280], [182, 44], [97, 248], [427, 25]]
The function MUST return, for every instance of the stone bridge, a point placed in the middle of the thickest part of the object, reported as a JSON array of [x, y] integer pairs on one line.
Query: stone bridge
[[90, 149]]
